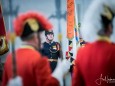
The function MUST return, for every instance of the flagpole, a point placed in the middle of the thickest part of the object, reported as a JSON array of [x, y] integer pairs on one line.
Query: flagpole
[[76, 26]]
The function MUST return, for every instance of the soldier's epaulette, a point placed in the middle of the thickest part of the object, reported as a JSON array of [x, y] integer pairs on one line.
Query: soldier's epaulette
[[58, 45]]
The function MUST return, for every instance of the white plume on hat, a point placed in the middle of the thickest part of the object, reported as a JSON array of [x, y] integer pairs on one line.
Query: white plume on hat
[[92, 20]]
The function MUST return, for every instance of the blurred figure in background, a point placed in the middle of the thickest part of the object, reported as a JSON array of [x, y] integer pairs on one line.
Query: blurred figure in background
[[51, 49], [82, 42], [95, 64], [34, 70]]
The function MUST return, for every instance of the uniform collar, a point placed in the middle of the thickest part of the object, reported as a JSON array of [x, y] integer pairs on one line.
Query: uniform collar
[[104, 38], [50, 42], [27, 45]]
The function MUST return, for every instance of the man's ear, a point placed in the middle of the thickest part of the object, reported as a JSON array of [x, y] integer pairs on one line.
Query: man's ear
[[46, 37], [110, 29]]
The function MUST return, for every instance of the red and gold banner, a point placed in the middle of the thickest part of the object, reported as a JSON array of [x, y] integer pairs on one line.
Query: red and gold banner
[[70, 19], [3, 42]]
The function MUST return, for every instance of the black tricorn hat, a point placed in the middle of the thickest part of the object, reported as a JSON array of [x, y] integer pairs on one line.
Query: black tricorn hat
[[49, 32], [30, 22]]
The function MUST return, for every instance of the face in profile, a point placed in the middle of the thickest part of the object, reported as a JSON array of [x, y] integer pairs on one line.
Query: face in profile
[[36, 40], [50, 37]]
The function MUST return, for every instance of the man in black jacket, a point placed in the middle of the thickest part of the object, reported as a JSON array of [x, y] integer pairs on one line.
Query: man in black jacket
[[51, 49]]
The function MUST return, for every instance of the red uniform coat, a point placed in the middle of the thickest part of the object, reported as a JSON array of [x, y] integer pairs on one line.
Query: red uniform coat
[[33, 69], [95, 65]]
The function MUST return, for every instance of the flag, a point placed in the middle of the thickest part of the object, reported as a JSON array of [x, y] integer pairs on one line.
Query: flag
[[72, 30], [3, 42], [70, 19], [70, 27]]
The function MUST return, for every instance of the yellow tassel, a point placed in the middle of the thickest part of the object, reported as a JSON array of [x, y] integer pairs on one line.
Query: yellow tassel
[[59, 36]]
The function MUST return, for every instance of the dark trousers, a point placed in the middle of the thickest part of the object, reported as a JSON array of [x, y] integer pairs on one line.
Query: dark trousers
[[53, 65]]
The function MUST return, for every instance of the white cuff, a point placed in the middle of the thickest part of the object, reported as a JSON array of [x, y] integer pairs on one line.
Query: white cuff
[[17, 81], [61, 69]]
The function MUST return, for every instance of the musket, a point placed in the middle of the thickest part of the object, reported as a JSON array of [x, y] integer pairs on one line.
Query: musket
[[12, 38], [15, 80]]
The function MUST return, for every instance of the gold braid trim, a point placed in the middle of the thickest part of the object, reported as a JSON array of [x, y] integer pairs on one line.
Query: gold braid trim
[[3, 46]]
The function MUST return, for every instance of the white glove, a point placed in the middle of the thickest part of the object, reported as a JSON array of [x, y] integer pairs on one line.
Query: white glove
[[61, 69], [17, 81]]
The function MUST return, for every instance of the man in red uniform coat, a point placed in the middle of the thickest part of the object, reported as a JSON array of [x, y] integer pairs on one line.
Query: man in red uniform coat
[[95, 63], [33, 69]]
